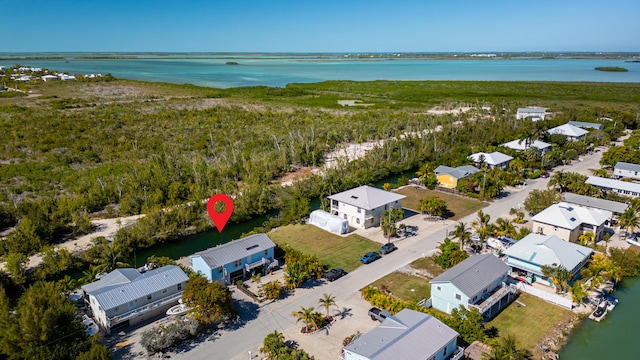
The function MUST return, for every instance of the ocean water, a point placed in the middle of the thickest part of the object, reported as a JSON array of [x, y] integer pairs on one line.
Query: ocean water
[[212, 71]]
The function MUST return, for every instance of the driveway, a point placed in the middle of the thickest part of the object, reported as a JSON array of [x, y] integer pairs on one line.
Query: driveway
[[258, 321]]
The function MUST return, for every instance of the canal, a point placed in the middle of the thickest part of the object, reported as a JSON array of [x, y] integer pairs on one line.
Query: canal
[[615, 336]]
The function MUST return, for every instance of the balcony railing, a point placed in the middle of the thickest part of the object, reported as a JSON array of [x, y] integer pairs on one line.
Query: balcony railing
[[145, 308], [253, 265], [487, 302], [458, 353]]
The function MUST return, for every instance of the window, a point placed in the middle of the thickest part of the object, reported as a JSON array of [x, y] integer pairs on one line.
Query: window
[[220, 270], [345, 216], [148, 297], [357, 220], [359, 210], [164, 291], [458, 297], [439, 288], [179, 287], [444, 352], [237, 263], [266, 253]]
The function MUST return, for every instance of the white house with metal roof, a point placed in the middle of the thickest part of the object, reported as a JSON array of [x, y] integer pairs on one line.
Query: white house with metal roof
[[521, 145], [595, 203], [568, 221], [479, 282], [127, 297], [533, 113], [571, 132], [407, 335], [363, 206], [236, 259], [535, 250], [586, 125], [621, 187], [626, 170], [494, 159]]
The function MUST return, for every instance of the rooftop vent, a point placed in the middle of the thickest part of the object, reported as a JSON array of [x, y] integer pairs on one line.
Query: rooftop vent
[[252, 247], [573, 219], [354, 197]]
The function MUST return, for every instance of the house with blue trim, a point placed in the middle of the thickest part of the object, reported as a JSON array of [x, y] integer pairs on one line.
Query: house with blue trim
[[235, 260], [479, 282]]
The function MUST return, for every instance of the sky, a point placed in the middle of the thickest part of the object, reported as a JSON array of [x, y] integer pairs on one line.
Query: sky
[[345, 26]]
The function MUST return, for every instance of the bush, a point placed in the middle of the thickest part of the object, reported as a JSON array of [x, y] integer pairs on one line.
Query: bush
[[273, 290], [164, 337]]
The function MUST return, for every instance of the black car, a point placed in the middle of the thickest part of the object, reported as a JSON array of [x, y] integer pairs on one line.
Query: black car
[[387, 248], [334, 274]]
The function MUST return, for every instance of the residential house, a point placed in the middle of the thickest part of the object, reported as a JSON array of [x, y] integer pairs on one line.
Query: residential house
[[569, 222], [363, 206], [407, 335], [448, 177], [535, 250], [521, 145], [614, 207], [586, 125], [49, 77], [127, 297], [479, 282], [626, 170], [494, 159], [621, 187], [533, 113], [572, 133], [236, 259]]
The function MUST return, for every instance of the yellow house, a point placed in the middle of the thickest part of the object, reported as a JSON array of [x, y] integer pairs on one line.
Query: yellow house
[[448, 177]]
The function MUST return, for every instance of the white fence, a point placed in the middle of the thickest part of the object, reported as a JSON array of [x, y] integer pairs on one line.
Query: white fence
[[547, 296]]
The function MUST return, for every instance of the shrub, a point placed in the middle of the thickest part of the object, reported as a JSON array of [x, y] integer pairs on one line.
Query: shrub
[[164, 337]]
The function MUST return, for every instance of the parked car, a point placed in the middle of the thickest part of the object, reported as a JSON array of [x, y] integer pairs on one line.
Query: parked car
[[387, 248], [334, 274], [369, 257], [378, 314], [544, 175]]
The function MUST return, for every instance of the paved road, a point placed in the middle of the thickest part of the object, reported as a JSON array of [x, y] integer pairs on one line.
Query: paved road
[[259, 321]]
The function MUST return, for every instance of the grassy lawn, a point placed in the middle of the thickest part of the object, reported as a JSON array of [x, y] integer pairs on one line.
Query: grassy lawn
[[460, 206], [331, 249], [530, 323], [429, 265], [401, 284]]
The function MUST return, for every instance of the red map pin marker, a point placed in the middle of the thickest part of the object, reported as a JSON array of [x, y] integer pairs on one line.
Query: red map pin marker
[[220, 218]]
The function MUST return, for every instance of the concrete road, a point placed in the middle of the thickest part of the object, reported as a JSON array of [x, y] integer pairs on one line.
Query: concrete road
[[257, 321]]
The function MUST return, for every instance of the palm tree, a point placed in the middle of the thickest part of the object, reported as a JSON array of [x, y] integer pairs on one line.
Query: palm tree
[[89, 275], [462, 233], [559, 180], [504, 227], [577, 291], [587, 239], [595, 274], [481, 226], [629, 221], [327, 301], [305, 315], [111, 259], [67, 284], [516, 165]]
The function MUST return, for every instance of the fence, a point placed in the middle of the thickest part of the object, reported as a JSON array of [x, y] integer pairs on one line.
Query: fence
[[546, 296]]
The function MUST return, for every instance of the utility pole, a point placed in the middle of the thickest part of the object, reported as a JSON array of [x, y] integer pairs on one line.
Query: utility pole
[[389, 226], [484, 181]]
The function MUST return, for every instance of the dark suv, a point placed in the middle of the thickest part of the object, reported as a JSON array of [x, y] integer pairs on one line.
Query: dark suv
[[387, 248], [334, 274]]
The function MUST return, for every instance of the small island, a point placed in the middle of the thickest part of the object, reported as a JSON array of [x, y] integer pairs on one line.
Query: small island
[[612, 68], [231, 63]]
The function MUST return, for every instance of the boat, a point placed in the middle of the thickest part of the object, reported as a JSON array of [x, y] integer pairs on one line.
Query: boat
[[611, 302], [600, 312], [179, 309], [90, 326]]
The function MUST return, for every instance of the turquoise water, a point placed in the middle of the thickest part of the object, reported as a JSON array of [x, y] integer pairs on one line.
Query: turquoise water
[[212, 71], [615, 336]]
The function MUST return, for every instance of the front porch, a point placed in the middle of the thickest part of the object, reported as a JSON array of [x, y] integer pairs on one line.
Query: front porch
[[492, 303]]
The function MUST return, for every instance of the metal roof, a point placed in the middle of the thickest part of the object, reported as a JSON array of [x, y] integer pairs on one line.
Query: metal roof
[[115, 278], [494, 158], [548, 250], [235, 250], [586, 125], [626, 166], [613, 184], [458, 173], [521, 145], [474, 274], [588, 201], [367, 197], [148, 283], [534, 110], [565, 216], [406, 335], [568, 130]]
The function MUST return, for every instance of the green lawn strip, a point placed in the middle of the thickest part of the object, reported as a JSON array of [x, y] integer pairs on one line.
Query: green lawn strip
[[429, 265], [331, 249], [460, 206], [401, 284], [529, 323]]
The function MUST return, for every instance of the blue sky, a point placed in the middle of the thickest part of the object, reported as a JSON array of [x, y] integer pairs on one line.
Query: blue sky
[[319, 26]]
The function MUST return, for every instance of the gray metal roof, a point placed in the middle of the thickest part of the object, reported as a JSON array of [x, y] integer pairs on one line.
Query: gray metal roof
[[586, 125], [522, 145], [367, 197], [474, 274], [565, 216], [113, 279], [458, 173], [588, 201], [494, 158], [145, 284], [536, 110], [568, 130], [407, 335], [613, 184], [547, 250], [627, 166], [235, 250]]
